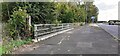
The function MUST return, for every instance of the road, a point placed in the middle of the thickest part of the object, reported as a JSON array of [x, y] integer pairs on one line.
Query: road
[[112, 29], [82, 40]]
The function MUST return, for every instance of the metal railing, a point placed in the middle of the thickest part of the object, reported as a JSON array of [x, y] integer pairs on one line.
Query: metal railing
[[44, 29]]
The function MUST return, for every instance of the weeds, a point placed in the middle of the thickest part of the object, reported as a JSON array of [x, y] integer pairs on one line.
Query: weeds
[[7, 49]]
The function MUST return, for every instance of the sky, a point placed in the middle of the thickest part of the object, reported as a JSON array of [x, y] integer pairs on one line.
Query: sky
[[108, 9]]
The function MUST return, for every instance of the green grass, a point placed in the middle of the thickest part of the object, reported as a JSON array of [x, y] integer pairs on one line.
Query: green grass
[[0, 50], [6, 49]]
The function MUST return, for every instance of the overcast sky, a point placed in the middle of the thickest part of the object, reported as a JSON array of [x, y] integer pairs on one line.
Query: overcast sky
[[108, 9]]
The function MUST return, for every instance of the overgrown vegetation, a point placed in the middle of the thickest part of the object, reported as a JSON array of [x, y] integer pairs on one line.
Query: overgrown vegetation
[[7, 47], [15, 17]]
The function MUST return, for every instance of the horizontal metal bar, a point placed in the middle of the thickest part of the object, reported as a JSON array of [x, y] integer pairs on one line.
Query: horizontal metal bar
[[42, 29], [57, 27], [50, 31], [52, 24], [42, 33], [51, 28], [45, 32]]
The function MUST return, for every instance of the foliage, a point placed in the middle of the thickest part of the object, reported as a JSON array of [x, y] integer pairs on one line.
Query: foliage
[[92, 11], [0, 50], [17, 23], [7, 48], [7, 9], [50, 12]]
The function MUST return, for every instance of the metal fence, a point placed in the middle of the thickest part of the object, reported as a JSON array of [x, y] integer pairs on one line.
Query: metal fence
[[44, 29]]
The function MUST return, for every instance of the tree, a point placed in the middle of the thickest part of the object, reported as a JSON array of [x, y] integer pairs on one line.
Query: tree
[[43, 13], [92, 11], [7, 9]]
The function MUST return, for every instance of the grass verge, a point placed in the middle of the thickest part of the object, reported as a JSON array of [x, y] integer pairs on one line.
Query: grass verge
[[7, 48]]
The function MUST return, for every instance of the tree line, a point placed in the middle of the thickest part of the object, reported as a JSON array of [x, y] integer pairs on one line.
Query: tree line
[[15, 14]]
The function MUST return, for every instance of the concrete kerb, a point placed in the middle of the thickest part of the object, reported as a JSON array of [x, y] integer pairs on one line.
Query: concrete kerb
[[50, 35]]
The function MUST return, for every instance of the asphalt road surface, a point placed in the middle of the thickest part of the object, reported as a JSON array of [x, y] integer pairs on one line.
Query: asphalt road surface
[[112, 29], [81, 40]]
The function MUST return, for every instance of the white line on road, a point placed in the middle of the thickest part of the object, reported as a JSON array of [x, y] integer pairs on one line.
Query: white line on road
[[61, 40], [68, 50], [68, 36]]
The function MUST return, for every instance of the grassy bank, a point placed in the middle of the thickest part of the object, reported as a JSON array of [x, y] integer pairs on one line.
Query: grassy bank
[[7, 48]]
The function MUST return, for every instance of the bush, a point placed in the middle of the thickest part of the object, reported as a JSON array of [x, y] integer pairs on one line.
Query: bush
[[17, 25]]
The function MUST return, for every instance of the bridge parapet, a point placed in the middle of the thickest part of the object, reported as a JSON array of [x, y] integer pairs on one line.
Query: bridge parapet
[[46, 29]]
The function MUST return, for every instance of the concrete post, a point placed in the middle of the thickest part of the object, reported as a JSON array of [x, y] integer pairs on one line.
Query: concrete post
[[30, 23]]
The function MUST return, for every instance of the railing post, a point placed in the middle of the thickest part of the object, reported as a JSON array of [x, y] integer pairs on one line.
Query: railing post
[[30, 23], [35, 28], [68, 26], [62, 26]]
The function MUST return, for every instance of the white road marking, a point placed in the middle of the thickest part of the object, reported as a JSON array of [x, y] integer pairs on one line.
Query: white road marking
[[68, 50], [68, 36], [61, 40]]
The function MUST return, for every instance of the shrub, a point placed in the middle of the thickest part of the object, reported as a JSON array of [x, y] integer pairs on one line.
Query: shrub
[[17, 25]]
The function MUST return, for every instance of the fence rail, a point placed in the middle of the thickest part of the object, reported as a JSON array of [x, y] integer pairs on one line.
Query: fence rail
[[44, 29]]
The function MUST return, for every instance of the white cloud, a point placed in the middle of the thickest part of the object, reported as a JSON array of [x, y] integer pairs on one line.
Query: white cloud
[[108, 9]]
